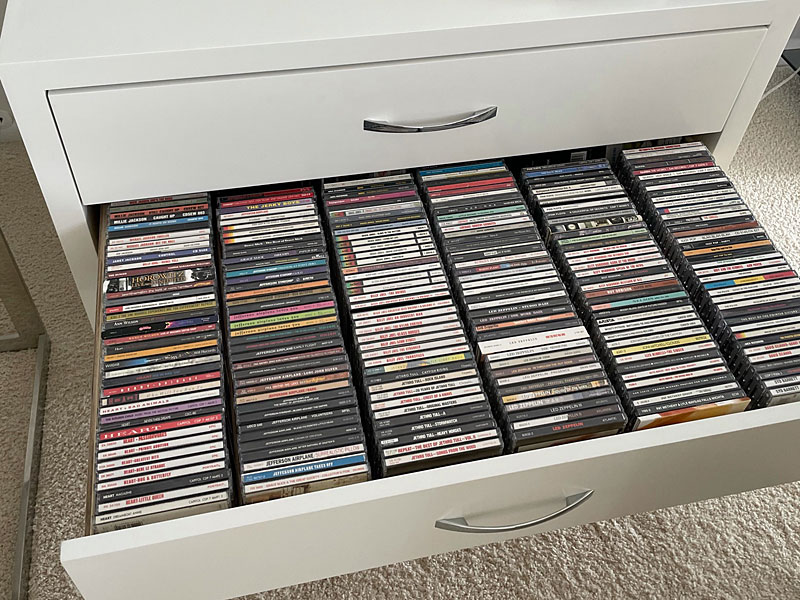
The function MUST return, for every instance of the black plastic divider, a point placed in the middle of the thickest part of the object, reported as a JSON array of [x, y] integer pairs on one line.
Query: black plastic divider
[[545, 381], [231, 430], [299, 427], [346, 325], [419, 384], [663, 360], [745, 290]]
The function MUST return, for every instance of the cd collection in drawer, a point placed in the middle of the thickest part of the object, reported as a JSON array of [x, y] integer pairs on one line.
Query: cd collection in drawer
[[380, 352]]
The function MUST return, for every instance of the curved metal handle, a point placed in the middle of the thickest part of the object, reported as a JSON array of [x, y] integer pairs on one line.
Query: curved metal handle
[[460, 523], [476, 117]]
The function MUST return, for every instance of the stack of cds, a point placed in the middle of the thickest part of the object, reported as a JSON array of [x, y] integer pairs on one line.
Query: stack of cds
[[161, 426], [422, 388], [298, 427], [535, 352], [665, 364], [746, 290]]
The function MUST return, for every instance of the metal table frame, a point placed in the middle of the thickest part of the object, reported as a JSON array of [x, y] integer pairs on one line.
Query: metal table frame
[[29, 334]]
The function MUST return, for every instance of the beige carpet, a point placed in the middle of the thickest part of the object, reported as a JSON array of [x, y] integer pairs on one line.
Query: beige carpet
[[744, 546]]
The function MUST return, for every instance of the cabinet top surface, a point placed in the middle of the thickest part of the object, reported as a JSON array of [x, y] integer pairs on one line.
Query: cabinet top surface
[[45, 30]]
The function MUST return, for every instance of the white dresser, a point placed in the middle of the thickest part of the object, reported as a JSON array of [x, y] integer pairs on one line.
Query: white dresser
[[117, 101]]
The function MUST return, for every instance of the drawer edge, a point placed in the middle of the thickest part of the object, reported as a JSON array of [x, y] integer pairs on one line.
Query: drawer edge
[[210, 534], [98, 357]]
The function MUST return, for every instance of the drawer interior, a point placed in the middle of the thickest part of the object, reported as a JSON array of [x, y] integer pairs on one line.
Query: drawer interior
[[217, 132], [700, 460]]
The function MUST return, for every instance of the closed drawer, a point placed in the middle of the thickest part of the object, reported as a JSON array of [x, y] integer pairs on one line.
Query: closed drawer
[[147, 139], [292, 540]]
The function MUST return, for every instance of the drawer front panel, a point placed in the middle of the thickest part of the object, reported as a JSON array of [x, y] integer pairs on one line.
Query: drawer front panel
[[134, 141], [289, 541]]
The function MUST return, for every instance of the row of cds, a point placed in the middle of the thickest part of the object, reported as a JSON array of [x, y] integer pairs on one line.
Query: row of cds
[[666, 366], [424, 395], [161, 448], [746, 290], [535, 352], [298, 427]]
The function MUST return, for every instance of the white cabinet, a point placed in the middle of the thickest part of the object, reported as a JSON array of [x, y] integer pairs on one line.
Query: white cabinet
[[124, 100]]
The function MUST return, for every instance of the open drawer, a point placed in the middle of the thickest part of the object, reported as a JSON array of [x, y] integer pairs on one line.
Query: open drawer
[[283, 542], [322, 534]]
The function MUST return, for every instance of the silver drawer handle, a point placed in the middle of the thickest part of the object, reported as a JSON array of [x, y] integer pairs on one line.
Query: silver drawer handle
[[476, 117], [460, 523]]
